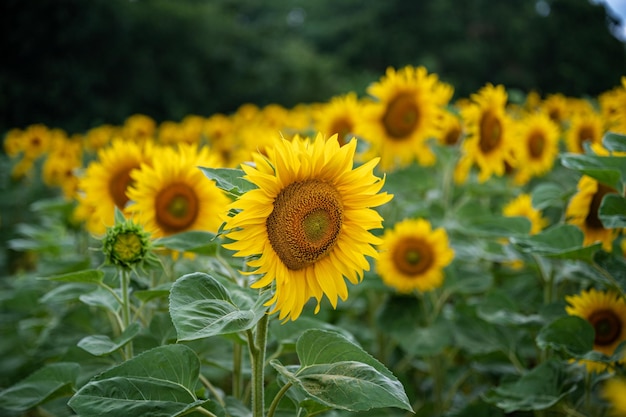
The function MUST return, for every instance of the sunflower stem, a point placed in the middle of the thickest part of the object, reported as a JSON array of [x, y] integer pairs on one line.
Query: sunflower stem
[[256, 346], [277, 398], [125, 284], [237, 370]]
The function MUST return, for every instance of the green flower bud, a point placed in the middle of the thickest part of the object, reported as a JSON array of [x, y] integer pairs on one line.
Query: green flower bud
[[126, 244]]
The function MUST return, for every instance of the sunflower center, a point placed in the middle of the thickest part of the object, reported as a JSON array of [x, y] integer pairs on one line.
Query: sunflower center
[[607, 326], [593, 220], [342, 127], [413, 256], [452, 136], [177, 207], [401, 117], [536, 145], [305, 223], [585, 134], [490, 132], [127, 246], [118, 185]]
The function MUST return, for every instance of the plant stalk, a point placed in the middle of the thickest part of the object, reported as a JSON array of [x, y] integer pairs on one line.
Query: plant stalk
[[257, 346]]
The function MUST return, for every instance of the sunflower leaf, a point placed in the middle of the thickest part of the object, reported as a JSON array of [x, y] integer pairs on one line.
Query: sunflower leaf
[[570, 334], [90, 276], [609, 170], [612, 212], [195, 241], [614, 142], [159, 383], [100, 345], [564, 241], [200, 306], [229, 179]]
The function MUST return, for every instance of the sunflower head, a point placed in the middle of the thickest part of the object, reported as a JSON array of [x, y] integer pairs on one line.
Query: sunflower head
[[613, 391], [126, 244], [307, 223]]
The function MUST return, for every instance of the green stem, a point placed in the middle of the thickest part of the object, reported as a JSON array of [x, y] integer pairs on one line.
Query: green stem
[[125, 284], [256, 345], [212, 389], [237, 370], [277, 398]]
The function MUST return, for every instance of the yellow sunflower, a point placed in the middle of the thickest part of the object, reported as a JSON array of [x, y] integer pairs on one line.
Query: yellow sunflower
[[173, 195], [535, 147], [308, 221], [139, 128], [413, 256], [404, 116], [522, 206], [107, 179], [614, 391], [338, 116], [606, 312], [450, 129], [584, 127], [488, 141], [555, 106], [582, 211]]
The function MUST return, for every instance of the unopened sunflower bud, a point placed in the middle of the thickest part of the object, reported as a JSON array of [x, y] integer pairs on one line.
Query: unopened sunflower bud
[[126, 244]]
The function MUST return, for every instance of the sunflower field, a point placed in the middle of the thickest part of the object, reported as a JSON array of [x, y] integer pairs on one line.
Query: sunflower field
[[392, 253]]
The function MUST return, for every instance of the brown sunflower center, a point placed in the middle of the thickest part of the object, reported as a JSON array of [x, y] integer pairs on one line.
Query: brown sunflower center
[[305, 223], [452, 136], [536, 145], [176, 207], [490, 132], [413, 256], [593, 220], [607, 326], [585, 134], [342, 127], [118, 185], [401, 117]]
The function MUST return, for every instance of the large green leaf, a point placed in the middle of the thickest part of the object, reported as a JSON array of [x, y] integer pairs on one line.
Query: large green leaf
[[340, 374], [158, 383], [52, 381], [229, 179], [100, 345], [200, 306], [564, 241], [570, 334], [89, 276], [538, 389], [612, 211], [195, 241], [549, 194], [614, 142], [609, 170]]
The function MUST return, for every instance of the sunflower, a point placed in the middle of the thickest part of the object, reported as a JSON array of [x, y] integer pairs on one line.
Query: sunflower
[[488, 134], [555, 106], [606, 312], [413, 256], [450, 129], [613, 391], [107, 179], [582, 211], [308, 221], [338, 116], [174, 196], [404, 116], [535, 147], [522, 206], [584, 127]]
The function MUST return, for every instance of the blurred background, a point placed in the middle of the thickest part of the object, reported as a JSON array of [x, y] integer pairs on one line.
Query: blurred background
[[76, 64]]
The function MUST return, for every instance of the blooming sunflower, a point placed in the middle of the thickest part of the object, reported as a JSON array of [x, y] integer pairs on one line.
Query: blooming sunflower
[[308, 220], [522, 206], [584, 127], [450, 129], [556, 107], [174, 196], [535, 147], [413, 256], [613, 391], [606, 312], [488, 134], [107, 179], [405, 115], [338, 116], [582, 211]]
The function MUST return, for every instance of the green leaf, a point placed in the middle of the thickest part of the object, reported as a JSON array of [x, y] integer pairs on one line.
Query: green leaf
[[195, 241], [549, 194], [89, 276], [496, 226], [100, 345], [609, 170], [563, 241], [50, 382], [426, 341], [200, 306], [229, 179], [539, 389], [614, 142], [101, 298], [158, 383], [160, 291], [612, 211], [570, 334], [338, 373]]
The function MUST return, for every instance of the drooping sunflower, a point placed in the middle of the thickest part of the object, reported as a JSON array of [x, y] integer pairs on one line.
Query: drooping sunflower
[[308, 221], [535, 147], [338, 116], [404, 114], [488, 141], [413, 256], [173, 195], [614, 391], [606, 312], [584, 127], [107, 179], [582, 211], [522, 206]]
